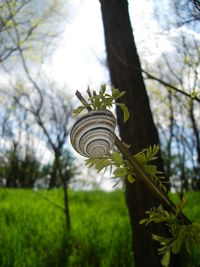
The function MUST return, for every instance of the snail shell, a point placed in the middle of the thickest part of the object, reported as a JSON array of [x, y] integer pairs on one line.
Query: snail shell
[[92, 135]]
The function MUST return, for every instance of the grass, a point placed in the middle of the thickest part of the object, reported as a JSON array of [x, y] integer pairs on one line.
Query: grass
[[33, 231]]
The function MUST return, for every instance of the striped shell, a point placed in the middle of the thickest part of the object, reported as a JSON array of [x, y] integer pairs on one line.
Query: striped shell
[[92, 134]]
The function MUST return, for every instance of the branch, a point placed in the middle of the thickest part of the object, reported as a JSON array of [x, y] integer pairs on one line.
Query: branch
[[52, 202], [82, 99], [23, 59], [150, 76]]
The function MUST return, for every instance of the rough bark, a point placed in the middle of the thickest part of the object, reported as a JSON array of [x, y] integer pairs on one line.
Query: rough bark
[[140, 130], [65, 188], [195, 129]]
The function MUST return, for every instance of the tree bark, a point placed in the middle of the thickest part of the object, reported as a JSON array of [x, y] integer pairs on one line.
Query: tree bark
[[195, 129], [65, 188], [140, 130]]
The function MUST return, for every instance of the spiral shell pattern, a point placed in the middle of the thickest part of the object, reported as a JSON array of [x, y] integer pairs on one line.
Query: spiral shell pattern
[[92, 135]]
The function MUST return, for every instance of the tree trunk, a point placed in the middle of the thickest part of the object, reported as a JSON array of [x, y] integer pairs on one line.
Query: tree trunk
[[140, 130], [66, 200], [171, 134], [52, 183], [65, 187], [195, 129]]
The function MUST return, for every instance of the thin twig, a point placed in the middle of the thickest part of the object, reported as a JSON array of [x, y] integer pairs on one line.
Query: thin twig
[[82, 99], [141, 174], [52, 202], [89, 92], [152, 77]]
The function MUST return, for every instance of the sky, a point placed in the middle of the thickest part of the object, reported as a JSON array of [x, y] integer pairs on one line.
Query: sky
[[79, 60]]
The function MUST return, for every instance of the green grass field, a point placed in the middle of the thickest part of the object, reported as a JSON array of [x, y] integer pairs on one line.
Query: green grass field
[[33, 231]]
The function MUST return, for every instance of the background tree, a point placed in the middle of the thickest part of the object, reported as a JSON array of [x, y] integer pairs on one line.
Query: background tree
[[19, 166], [19, 170], [179, 68], [185, 12], [51, 113], [26, 25], [27, 36]]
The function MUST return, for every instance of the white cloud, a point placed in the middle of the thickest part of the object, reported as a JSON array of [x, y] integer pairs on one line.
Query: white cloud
[[76, 63]]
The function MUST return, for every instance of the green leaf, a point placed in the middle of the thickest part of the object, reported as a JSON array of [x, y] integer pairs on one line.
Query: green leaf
[[144, 221], [196, 226], [188, 246], [102, 163], [116, 157], [107, 102], [115, 92], [166, 259], [91, 162], [88, 161], [159, 238], [178, 242], [131, 179], [120, 172], [151, 152], [78, 110], [103, 89], [125, 110], [120, 95], [141, 158], [150, 169], [180, 206], [96, 102]]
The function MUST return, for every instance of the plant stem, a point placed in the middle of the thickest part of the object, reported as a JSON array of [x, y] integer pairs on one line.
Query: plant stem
[[82, 99], [141, 174], [51, 202]]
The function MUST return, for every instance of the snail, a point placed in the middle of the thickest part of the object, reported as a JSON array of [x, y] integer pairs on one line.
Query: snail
[[92, 135]]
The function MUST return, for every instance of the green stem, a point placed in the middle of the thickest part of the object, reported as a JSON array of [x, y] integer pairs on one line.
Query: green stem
[[141, 174]]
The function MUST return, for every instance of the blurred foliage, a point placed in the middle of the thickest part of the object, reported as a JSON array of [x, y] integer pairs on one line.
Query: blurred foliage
[[173, 66], [24, 169], [26, 25], [19, 170]]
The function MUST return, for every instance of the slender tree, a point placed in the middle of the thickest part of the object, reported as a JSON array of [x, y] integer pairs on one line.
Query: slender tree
[[140, 131], [51, 114], [27, 26], [182, 13], [179, 66]]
